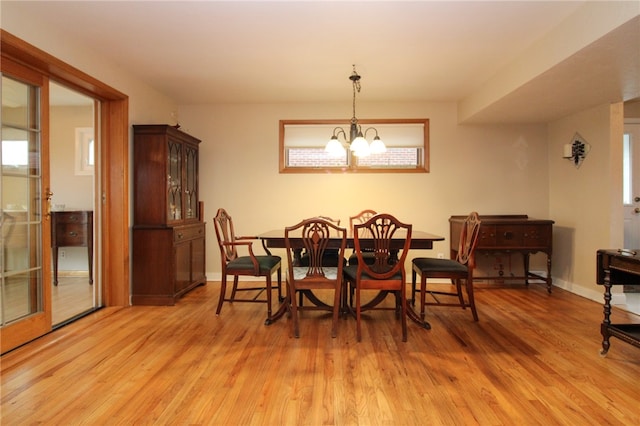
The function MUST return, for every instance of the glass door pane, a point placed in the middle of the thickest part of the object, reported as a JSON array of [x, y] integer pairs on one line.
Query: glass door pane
[[21, 283], [174, 176], [191, 182]]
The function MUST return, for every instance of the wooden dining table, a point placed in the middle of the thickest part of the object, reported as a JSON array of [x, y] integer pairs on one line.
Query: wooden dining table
[[420, 240]]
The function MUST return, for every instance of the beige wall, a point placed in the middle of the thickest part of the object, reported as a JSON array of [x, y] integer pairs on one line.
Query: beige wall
[[586, 203], [146, 104], [492, 169]]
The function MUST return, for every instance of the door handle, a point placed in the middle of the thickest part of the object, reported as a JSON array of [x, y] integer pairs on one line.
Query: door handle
[[48, 194], [637, 199], [636, 210]]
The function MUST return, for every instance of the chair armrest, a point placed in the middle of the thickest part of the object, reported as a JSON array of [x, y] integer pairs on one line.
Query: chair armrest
[[247, 237], [249, 245]]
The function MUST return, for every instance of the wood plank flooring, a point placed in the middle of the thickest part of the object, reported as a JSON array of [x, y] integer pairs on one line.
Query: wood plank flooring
[[533, 358]]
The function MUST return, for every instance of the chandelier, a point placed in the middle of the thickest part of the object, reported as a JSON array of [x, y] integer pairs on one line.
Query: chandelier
[[357, 141]]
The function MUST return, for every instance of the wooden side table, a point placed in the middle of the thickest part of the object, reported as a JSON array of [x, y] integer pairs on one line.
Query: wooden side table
[[71, 229], [617, 267]]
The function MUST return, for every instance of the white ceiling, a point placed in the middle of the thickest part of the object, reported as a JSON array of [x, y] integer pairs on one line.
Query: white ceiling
[[202, 52]]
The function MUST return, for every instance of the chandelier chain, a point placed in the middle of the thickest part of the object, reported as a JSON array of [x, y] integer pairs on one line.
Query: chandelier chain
[[355, 79]]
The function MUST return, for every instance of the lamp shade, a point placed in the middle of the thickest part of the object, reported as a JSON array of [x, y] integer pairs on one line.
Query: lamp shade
[[360, 147], [377, 146], [334, 148]]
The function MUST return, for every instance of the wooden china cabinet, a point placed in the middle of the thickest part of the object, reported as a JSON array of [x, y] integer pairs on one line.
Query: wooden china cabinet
[[168, 228]]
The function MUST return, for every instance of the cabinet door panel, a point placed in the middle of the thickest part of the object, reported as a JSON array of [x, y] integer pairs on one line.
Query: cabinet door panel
[[183, 265], [198, 259]]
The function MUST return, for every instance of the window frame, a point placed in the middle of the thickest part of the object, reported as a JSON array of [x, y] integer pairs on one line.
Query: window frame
[[352, 163]]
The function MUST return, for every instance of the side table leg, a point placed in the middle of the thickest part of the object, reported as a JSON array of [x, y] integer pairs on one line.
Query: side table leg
[[604, 328], [549, 279], [525, 258], [54, 251]]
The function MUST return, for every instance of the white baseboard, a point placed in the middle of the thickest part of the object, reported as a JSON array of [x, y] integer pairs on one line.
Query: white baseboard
[[625, 301]]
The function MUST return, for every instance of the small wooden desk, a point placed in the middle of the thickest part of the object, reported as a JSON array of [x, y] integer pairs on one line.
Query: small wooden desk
[[71, 229], [510, 233], [617, 267]]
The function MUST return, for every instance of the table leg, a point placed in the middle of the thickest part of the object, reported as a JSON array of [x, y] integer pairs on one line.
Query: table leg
[[604, 327], [549, 279], [55, 265], [413, 316], [278, 314]]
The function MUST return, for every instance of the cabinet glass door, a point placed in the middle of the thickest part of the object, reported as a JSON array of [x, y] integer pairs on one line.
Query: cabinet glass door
[[174, 184], [191, 182]]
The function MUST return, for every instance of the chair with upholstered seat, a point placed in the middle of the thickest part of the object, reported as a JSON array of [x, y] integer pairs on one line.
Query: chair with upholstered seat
[[457, 270], [330, 256], [314, 236], [361, 217], [246, 265], [386, 274]]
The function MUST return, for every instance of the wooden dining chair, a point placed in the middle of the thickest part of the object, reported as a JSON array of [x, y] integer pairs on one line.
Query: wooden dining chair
[[331, 257], [361, 217], [314, 236], [386, 274], [246, 265], [457, 270]]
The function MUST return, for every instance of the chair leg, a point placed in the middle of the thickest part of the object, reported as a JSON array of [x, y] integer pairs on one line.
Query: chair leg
[[291, 299], [358, 315], [413, 287], [336, 309], [223, 291], [268, 297], [470, 295], [403, 304], [459, 290], [234, 288], [423, 295]]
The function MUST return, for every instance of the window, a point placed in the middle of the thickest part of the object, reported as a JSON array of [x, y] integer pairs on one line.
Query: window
[[302, 145], [85, 151]]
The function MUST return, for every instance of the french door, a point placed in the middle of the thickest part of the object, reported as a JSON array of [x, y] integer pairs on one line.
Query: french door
[[25, 273]]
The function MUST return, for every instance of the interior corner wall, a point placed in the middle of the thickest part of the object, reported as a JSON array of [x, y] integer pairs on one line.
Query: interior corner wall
[[585, 202]]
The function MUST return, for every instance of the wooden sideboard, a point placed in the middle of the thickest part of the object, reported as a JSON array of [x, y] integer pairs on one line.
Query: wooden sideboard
[[72, 229], [510, 233], [617, 267]]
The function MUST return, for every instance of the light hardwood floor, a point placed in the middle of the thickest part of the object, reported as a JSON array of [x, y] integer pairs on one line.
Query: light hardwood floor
[[72, 296], [533, 358]]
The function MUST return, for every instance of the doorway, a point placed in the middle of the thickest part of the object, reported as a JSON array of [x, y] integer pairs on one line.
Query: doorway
[[72, 162], [631, 185]]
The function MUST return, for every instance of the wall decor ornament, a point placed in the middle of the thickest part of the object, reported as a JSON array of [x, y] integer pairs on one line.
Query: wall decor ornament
[[577, 150]]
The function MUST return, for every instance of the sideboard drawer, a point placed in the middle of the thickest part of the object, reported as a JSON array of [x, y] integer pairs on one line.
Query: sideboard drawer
[[509, 235], [512, 235], [537, 236]]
